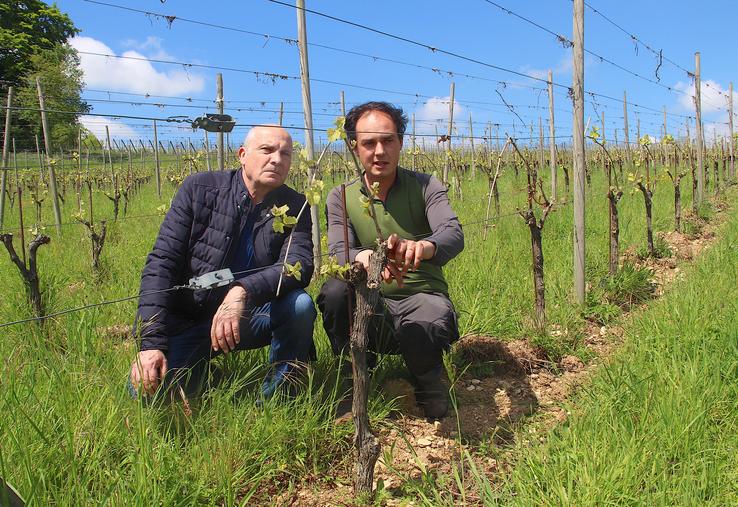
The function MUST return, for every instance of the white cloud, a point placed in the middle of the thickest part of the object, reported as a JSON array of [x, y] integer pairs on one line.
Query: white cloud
[[151, 47], [137, 76], [434, 112], [118, 129], [714, 104], [714, 97]]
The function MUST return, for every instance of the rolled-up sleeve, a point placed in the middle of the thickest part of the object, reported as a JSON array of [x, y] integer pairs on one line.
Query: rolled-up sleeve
[[447, 234]]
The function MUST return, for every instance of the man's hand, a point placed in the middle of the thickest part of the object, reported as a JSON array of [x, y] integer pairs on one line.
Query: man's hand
[[407, 254], [224, 332], [148, 370], [389, 273], [403, 255]]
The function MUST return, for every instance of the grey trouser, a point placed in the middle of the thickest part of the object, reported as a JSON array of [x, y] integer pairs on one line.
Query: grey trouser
[[420, 327]]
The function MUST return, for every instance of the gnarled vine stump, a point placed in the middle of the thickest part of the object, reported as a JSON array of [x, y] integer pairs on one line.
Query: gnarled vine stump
[[366, 285], [29, 273]]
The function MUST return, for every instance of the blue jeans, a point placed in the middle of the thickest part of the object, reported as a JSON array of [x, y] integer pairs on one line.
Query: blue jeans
[[285, 324]]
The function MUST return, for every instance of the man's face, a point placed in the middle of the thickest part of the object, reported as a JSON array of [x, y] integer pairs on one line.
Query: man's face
[[378, 145], [266, 158]]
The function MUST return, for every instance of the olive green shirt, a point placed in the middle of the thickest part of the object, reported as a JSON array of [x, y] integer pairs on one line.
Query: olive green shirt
[[416, 207]]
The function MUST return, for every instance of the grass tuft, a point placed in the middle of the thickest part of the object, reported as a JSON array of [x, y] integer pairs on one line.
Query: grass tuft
[[631, 285]]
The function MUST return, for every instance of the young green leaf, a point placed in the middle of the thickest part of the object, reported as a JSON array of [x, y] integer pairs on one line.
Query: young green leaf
[[315, 193], [338, 132], [280, 211], [293, 270], [278, 225], [332, 268]]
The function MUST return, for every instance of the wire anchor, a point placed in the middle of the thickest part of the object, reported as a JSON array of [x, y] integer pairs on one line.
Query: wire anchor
[[210, 280]]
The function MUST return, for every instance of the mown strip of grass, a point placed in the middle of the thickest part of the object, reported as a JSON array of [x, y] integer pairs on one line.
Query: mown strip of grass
[[659, 424]]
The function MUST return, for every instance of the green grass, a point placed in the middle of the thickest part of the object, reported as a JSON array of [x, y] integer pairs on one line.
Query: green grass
[[69, 433], [657, 426], [631, 285]]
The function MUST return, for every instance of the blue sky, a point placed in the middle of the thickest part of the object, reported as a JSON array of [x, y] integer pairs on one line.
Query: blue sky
[[473, 28]]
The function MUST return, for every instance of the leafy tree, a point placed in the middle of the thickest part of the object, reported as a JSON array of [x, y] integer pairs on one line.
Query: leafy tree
[[61, 77], [28, 27]]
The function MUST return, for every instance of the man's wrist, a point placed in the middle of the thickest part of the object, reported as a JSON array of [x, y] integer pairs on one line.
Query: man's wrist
[[148, 353], [240, 289], [429, 249]]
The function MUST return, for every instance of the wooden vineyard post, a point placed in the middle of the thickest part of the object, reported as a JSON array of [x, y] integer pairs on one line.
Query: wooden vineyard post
[[663, 135], [552, 137], [19, 190], [447, 164], [578, 153], [207, 151], [176, 155], [731, 140], [628, 156], [638, 131], [109, 149], [78, 189], [281, 113], [723, 163], [143, 156], [716, 167], [156, 162], [700, 142], [473, 154], [47, 144], [38, 156], [219, 103], [29, 272], [604, 140], [6, 138], [343, 113], [190, 157], [127, 181], [308, 114], [89, 182]]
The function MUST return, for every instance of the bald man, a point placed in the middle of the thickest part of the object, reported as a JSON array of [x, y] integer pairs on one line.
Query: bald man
[[222, 220]]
